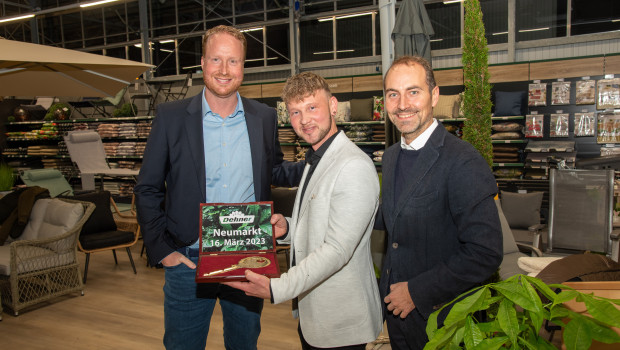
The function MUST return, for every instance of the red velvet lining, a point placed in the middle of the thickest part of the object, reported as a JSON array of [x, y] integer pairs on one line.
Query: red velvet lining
[[209, 263]]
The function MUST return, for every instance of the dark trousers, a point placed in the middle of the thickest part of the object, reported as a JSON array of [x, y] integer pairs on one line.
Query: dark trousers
[[306, 346]]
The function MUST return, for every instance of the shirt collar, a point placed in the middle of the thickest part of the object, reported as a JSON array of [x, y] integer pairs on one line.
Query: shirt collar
[[421, 140], [206, 109], [312, 155]]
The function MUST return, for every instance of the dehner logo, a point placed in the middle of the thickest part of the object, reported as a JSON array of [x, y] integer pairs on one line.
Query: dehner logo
[[236, 217]]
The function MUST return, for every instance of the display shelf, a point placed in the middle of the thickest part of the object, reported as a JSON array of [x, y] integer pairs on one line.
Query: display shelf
[[509, 141], [508, 164], [512, 117]]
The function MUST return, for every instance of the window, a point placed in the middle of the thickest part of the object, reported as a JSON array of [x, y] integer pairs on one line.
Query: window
[[537, 19], [190, 52], [354, 36], [278, 51], [495, 18], [594, 16], [446, 22], [316, 41]]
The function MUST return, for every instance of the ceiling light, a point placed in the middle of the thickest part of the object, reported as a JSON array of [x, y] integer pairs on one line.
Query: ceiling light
[[500, 33], [331, 18], [434, 40], [260, 59], [533, 30], [446, 2], [17, 18], [251, 29], [166, 41], [97, 3], [326, 52]]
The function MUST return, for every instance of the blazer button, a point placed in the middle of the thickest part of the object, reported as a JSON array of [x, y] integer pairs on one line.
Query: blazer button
[[394, 245]]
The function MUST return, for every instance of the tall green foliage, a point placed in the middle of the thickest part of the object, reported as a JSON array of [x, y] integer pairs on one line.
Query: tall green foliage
[[477, 95]]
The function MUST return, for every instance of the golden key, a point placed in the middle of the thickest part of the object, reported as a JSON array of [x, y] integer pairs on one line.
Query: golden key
[[252, 262]]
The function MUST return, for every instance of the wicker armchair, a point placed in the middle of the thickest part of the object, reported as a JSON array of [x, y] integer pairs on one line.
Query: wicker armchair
[[42, 269]]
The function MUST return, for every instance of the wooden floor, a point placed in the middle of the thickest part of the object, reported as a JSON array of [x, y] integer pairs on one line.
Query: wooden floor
[[120, 310]]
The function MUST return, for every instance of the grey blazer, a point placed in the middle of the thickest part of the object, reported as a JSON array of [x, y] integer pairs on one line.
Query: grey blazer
[[329, 234]]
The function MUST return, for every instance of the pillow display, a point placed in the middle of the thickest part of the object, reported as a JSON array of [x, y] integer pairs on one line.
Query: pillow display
[[522, 210], [378, 112], [508, 103], [508, 126], [447, 106], [361, 109], [344, 112], [283, 117], [506, 136]]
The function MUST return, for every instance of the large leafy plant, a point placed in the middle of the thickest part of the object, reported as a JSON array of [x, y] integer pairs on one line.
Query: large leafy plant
[[515, 313]]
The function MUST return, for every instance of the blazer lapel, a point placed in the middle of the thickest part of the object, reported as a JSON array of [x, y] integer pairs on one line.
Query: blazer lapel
[[255, 133], [428, 156], [325, 164], [193, 128]]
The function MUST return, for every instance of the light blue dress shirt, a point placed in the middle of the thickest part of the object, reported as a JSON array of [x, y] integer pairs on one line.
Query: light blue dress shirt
[[228, 162]]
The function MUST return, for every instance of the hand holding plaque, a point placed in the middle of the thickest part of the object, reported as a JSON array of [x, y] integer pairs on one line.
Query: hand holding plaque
[[235, 237]]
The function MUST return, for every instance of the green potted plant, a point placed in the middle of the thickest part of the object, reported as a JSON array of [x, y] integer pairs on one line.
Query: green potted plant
[[477, 95], [515, 313], [7, 178], [126, 110], [58, 111]]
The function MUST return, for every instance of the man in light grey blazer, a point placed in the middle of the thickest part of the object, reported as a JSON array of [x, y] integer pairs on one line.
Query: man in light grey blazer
[[332, 275]]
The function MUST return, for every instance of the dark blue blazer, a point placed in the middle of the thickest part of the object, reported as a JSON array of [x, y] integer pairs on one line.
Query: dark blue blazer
[[171, 184], [444, 234]]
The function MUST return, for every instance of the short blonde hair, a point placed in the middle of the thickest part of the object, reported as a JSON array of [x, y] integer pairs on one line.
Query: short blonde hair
[[232, 31], [302, 85]]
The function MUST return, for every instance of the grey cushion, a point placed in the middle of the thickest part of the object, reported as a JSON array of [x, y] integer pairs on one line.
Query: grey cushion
[[522, 210], [510, 246], [361, 109]]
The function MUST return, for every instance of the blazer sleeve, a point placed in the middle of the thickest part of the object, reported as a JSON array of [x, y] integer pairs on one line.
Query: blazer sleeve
[[150, 192], [479, 236], [284, 173], [352, 205]]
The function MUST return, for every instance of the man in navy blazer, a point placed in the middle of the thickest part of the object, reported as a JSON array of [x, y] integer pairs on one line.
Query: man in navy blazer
[[443, 230], [213, 147]]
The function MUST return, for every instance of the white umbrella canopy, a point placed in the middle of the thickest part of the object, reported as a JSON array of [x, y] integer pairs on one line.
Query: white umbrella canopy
[[38, 70]]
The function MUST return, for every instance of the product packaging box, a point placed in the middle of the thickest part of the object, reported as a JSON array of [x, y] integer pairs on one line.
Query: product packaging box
[[235, 237]]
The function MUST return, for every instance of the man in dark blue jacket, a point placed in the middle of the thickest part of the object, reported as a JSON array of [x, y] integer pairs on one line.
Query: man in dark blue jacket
[[444, 234]]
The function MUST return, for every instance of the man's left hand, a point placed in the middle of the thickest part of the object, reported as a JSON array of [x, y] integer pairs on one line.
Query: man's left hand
[[399, 300], [257, 285]]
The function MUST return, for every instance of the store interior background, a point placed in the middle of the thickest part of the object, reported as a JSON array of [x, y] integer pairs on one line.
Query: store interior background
[[528, 41]]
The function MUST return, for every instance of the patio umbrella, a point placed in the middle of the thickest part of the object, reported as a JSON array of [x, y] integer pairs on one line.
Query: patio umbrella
[[38, 70], [412, 30]]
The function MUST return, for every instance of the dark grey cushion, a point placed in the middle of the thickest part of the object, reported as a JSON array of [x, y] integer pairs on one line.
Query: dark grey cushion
[[522, 210], [509, 103], [101, 219]]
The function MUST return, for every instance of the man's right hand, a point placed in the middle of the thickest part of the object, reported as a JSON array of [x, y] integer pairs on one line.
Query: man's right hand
[[280, 226], [176, 258]]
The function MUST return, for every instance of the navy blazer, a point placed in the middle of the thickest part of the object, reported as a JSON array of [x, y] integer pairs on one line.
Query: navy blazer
[[444, 234], [171, 184]]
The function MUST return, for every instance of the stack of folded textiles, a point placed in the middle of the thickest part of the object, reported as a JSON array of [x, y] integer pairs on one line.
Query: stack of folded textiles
[[126, 149], [287, 136], [143, 129], [127, 130], [108, 130], [140, 146], [110, 148]]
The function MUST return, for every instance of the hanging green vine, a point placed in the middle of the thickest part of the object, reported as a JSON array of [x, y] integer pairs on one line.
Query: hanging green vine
[[477, 95]]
